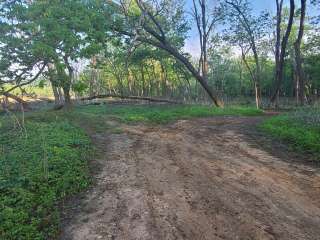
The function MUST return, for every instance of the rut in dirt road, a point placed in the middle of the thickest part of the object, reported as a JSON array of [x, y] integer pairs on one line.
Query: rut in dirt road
[[197, 179]]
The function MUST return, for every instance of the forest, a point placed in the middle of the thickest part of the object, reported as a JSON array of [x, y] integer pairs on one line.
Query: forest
[[159, 119], [90, 48]]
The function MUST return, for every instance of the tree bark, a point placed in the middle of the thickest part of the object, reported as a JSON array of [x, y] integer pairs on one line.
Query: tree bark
[[280, 53], [67, 85], [297, 47], [67, 97]]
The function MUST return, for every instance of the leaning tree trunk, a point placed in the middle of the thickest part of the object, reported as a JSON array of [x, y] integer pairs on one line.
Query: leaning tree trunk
[[194, 72], [159, 40]]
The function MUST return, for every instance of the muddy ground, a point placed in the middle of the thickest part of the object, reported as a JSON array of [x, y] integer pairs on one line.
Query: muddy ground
[[214, 178]]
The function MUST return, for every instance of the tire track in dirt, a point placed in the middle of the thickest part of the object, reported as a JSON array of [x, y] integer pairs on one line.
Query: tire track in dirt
[[197, 179]]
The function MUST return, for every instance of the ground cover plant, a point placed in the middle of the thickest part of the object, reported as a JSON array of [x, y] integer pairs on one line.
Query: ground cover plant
[[40, 164], [160, 114], [300, 128]]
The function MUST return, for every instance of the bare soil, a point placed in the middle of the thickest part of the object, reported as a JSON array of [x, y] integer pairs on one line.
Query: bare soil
[[213, 178]]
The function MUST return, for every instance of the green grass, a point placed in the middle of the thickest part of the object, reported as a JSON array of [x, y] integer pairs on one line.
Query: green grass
[[301, 129], [39, 166], [162, 114]]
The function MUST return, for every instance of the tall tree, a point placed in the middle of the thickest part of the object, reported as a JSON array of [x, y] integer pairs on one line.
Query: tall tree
[[37, 33], [247, 31], [281, 46], [22, 58], [205, 18], [297, 47]]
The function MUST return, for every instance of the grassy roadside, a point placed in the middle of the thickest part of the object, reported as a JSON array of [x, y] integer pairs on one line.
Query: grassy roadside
[[161, 114], [46, 162], [38, 167], [301, 129]]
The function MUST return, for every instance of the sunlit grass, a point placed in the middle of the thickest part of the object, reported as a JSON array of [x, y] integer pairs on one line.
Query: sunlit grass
[[164, 113]]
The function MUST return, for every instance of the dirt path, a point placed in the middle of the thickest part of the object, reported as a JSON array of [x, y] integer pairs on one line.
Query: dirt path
[[199, 179]]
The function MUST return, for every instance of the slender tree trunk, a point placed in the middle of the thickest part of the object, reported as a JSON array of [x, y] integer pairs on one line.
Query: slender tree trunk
[[163, 80], [255, 77], [143, 80], [278, 42], [280, 53], [295, 81], [297, 89], [297, 47], [67, 85]]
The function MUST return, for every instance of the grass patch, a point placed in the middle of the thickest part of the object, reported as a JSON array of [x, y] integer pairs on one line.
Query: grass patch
[[38, 168], [301, 129], [162, 114]]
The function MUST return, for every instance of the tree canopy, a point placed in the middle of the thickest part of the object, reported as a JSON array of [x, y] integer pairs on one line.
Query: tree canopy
[[139, 48]]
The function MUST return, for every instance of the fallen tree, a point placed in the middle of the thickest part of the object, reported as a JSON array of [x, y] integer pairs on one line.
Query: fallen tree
[[148, 27], [101, 96], [17, 99]]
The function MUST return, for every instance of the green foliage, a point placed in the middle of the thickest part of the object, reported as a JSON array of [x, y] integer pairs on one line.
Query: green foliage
[[164, 114], [35, 33], [80, 87], [38, 167], [301, 129]]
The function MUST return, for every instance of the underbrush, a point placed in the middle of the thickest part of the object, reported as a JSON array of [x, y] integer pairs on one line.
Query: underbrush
[[40, 164], [300, 128], [161, 114]]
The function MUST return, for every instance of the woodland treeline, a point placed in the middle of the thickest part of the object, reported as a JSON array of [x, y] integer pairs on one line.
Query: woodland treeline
[[137, 48]]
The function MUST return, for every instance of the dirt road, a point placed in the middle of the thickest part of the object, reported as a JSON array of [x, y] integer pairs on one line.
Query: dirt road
[[214, 178]]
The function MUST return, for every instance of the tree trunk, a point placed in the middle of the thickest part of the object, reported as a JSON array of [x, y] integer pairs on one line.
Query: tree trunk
[[57, 97], [280, 53], [67, 85], [297, 47], [194, 72], [143, 80], [255, 77], [67, 97]]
